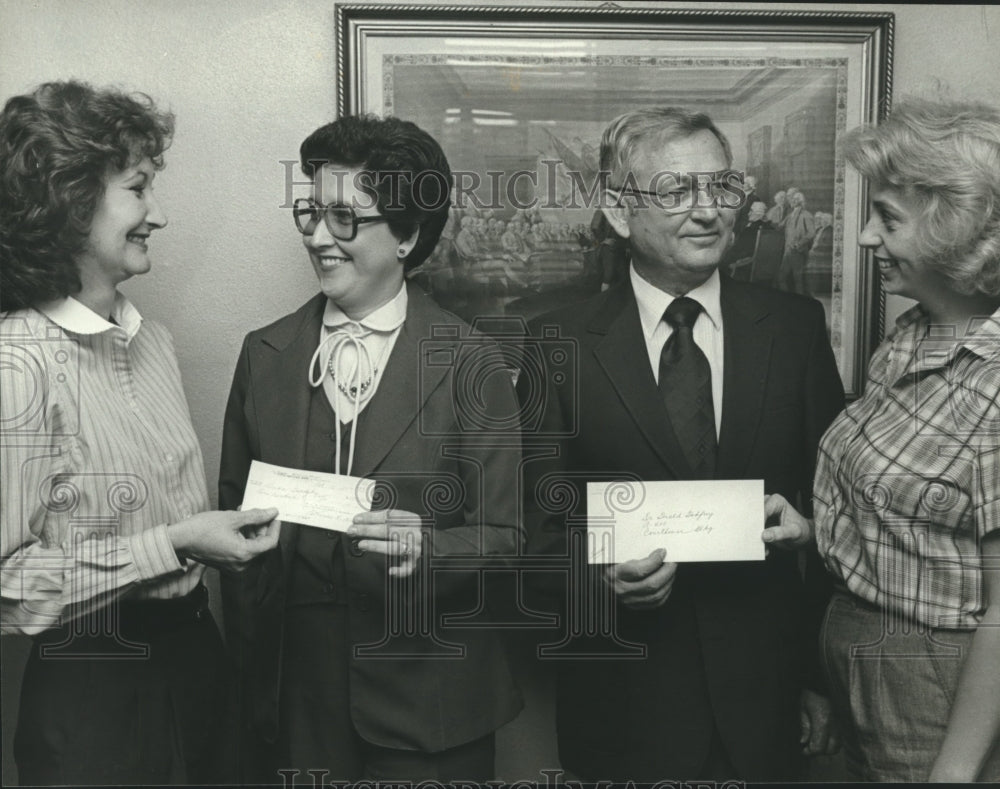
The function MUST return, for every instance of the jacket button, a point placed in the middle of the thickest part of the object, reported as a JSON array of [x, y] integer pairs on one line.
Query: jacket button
[[355, 548]]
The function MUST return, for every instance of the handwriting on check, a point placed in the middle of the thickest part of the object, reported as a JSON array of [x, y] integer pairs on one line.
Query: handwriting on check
[[693, 521], [309, 504], [685, 522], [311, 498]]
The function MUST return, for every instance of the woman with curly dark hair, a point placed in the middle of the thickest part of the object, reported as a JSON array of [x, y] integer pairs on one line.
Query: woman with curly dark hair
[[105, 534]]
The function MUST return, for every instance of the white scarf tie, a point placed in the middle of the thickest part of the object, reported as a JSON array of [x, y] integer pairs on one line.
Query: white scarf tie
[[354, 378]]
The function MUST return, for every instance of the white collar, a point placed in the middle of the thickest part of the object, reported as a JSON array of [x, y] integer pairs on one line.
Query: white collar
[[387, 318], [75, 317], [653, 302]]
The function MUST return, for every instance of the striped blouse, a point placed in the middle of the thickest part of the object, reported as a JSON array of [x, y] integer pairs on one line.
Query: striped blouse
[[98, 455]]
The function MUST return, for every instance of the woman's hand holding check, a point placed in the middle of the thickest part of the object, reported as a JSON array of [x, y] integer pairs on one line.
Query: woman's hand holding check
[[396, 533]]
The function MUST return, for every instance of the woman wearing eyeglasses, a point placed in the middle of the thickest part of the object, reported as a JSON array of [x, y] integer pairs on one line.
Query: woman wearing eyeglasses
[[347, 663], [105, 538]]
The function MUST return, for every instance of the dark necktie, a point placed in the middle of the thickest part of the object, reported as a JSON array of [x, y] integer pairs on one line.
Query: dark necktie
[[686, 387]]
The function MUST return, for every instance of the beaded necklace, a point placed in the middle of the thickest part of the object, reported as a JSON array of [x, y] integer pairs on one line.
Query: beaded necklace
[[351, 393]]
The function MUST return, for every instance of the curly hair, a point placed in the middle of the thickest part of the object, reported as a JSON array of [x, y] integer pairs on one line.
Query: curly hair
[[57, 146], [946, 154], [403, 166]]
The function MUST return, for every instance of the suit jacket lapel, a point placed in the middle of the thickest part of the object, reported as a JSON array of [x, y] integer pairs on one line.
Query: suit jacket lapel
[[406, 384], [622, 355], [282, 393], [746, 356], [281, 386]]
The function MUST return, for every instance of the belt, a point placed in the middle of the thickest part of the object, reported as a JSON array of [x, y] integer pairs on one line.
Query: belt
[[164, 614], [840, 589]]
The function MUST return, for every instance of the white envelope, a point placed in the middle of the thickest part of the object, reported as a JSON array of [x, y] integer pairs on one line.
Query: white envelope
[[696, 521], [312, 498]]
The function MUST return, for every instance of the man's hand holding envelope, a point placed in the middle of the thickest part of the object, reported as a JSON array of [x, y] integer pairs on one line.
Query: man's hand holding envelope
[[643, 530]]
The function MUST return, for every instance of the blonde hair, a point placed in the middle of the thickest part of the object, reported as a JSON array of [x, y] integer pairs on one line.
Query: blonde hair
[[946, 154]]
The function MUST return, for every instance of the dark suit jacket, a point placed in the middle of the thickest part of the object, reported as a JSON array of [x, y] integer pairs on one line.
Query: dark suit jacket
[[730, 644], [420, 437], [743, 214]]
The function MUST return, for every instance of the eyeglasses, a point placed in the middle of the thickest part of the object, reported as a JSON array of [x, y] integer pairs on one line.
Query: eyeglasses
[[682, 198], [341, 220]]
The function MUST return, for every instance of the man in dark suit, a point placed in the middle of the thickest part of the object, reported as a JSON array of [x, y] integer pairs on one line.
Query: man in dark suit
[[750, 197], [739, 257], [698, 670]]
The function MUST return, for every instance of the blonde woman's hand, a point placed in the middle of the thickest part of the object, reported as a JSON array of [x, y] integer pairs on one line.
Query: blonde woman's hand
[[792, 531]]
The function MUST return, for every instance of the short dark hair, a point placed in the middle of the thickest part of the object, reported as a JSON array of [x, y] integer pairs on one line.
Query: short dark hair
[[405, 168], [57, 145]]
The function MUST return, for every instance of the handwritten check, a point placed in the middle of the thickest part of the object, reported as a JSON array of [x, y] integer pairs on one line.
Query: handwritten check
[[697, 521], [312, 498]]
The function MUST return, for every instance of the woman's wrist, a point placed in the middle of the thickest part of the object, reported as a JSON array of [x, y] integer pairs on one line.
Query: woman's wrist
[[180, 537]]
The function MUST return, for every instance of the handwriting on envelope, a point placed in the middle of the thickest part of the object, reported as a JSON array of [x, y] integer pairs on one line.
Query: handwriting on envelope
[[312, 498], [696, 521]]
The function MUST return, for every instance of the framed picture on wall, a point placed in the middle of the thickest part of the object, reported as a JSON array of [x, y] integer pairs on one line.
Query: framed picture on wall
[[518, 98]]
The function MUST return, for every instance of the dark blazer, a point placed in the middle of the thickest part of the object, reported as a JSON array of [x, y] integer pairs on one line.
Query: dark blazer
[[730, 644], [448, 685], [743, 213]]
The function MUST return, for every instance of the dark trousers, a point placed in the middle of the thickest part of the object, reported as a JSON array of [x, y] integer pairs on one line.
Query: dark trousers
[[138, 702]]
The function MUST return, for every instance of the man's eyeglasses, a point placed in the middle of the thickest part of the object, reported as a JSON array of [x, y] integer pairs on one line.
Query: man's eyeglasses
[[678, 199], [341, 220]]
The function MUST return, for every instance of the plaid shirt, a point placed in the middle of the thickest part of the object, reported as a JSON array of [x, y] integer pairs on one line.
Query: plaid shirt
[[908, 476]]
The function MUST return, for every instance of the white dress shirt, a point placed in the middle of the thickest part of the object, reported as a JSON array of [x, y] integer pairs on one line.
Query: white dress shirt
[[707, 331]]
